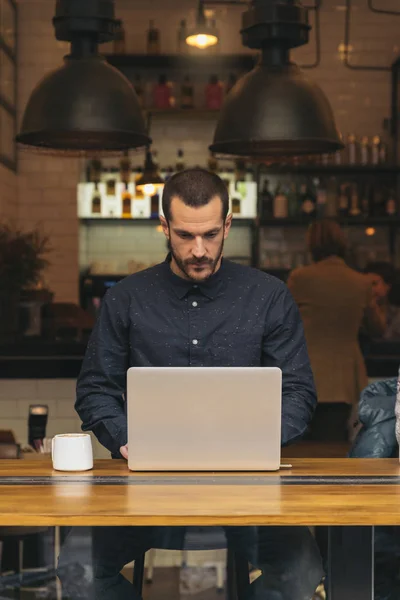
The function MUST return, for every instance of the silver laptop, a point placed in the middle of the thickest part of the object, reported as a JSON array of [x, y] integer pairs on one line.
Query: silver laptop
[[204, 419]]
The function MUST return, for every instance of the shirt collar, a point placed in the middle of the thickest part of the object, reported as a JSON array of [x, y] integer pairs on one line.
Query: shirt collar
[[209, 288]]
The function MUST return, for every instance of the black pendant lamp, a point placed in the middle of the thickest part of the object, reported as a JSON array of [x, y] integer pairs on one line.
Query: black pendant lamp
[[86, 107], [274, 111], [204, 34]]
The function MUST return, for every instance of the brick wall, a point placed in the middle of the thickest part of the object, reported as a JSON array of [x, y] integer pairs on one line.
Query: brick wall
[[45, 188], [8, 195]]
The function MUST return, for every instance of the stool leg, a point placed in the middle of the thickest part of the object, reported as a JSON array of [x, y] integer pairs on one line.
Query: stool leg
[[220, 576], [138, 574], [150, 565]]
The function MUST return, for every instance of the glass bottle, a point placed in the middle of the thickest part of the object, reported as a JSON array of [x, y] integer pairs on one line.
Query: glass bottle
[[187, 94], [153, 39], [351, 149], [376, 143], [180, 161], [119, 43], [96, 200], [214, 93], [280, 203], [343, 200], [266, 201], [139, 90], [182, 47], [355, 209], [162, 93], [126, 202], [212, 163], [365, 151]]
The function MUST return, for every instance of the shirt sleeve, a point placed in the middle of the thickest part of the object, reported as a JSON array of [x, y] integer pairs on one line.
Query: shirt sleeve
[[101, 386], [284, 346]]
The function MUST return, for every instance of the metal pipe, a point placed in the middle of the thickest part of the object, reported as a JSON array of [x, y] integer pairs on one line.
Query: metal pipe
[[394, 122], [381, 11], [317, 39], [346, 61]]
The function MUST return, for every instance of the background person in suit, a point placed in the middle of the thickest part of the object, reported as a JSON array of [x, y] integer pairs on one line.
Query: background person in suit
[[334, 302]]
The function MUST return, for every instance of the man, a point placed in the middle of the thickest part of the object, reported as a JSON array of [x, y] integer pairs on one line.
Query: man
[[195, 310]]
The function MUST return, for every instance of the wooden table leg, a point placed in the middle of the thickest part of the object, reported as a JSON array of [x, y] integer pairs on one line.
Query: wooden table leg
[[351, 563]]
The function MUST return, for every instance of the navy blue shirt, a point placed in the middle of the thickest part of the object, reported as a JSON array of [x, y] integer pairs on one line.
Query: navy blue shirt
[[239, 317]]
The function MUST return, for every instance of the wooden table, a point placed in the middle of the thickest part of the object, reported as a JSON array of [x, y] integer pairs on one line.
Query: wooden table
[[350, 496]]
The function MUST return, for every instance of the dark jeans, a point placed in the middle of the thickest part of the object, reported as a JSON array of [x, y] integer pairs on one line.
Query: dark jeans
[[288, 557], [329, 423]]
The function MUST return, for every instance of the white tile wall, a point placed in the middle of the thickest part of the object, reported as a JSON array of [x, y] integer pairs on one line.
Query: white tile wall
[[58, 394], [112, 247]]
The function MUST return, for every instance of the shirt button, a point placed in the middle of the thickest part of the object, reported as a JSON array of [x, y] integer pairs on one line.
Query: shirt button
[[195, 342], [195, 287], [194, 304]]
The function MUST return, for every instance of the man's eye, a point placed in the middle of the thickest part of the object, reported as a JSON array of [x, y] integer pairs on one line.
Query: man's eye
[[211, 235], [185, 236]]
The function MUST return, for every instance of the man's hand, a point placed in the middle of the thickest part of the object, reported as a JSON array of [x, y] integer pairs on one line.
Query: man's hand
[[124, 451]]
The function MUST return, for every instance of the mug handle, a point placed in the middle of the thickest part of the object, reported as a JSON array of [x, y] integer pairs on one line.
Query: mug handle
[[52, 447]]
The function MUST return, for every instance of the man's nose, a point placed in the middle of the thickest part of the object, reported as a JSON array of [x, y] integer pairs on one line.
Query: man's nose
[[198, 248]]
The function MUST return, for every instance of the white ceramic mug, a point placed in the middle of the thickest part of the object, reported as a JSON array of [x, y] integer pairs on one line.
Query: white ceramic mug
[[72, 452]]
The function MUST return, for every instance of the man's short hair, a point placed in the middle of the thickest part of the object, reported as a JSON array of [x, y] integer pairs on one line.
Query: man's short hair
[[195, 187]]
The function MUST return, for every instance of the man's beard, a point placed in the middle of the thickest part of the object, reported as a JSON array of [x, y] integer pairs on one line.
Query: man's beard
[[184, 264]]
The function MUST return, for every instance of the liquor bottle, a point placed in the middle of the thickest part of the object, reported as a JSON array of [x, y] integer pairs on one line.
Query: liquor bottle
[[391, 205], [365, 154], [119, 44], [187, 94], [182, 47], [266, 202], [96, 200], [180, 162], [153, 39], [212, 163], [139, 90], [155, 206], [236, 205], [240, 170], [376, 143], [343, 200], [322, 198], [331, 198], [214, 94], [293, 200], [308, 200], [351, 149], [378, 203], [162, 93], [126, 202], [95, 170], [280, 203], [365, 201], [354, 210]]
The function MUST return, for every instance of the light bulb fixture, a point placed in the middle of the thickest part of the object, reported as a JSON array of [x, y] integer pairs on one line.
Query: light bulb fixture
[[274, 111], [151, 181], [204, 35], [86, 107]]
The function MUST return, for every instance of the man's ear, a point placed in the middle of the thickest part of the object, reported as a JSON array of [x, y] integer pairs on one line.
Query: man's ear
[[165, 226], [227, 226]]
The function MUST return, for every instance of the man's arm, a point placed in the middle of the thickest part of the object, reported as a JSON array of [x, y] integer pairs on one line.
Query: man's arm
[[102, 381], [285, 347]]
